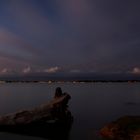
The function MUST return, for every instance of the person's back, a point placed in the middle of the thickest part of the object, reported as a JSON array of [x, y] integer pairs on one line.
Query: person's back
[[58, 92]]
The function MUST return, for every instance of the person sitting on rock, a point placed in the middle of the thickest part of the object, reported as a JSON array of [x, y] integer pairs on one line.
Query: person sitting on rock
[[60, 110], [58, 92]]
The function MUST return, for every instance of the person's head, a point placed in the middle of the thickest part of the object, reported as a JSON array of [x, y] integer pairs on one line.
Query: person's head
[[58, 92]]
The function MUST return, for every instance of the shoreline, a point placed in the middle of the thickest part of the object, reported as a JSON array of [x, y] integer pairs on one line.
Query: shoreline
[[74, 81]]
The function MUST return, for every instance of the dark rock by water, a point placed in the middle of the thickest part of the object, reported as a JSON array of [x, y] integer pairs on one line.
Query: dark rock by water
[[52, 120], [125, 128]]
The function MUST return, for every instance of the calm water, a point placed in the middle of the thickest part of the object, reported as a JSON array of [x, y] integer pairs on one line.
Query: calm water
[[93, 105]]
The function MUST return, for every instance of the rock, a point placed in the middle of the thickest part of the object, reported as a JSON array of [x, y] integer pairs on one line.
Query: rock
[[52, 120], [125, 128], [55, 109]]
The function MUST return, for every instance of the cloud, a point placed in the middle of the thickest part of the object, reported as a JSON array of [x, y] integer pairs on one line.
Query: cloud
[[52, 70], [5, 70], [95, 33], [27, 70], [10, 62], [135, 70], [14, 45]]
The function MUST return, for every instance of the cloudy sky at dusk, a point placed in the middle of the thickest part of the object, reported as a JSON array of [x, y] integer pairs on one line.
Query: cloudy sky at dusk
[[99, 36]]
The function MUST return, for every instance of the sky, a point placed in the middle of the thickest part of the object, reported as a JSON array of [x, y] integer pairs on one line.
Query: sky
[[69, 36]]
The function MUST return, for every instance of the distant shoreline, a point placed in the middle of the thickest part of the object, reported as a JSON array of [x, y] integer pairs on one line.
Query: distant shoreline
[[72, 81]]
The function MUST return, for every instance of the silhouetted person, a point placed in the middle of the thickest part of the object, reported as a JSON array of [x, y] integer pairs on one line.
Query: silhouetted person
[[58, 92], [60, 110]]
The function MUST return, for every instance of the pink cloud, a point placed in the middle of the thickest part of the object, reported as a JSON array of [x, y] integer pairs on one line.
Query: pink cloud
[[14, 48], [7, 38], [27, 70], [9, 65], [52, 70], [135, 70], [5, 70]]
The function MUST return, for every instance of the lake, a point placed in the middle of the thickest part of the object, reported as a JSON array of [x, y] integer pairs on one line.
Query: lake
[[92, 104]]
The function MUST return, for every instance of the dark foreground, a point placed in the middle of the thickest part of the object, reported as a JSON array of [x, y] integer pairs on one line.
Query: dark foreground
[[125, 128], [52, 120]]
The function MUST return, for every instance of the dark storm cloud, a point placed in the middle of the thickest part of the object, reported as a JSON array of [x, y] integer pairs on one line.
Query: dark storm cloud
[[81, 35]]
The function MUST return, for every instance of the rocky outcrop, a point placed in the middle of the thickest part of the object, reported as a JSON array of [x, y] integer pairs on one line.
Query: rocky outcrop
[[125, 128], [54, 110], [48, 120]]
